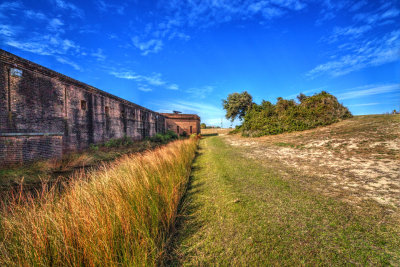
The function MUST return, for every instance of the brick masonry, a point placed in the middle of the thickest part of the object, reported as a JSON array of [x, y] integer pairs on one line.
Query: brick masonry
[[179, 123], [44, 114]]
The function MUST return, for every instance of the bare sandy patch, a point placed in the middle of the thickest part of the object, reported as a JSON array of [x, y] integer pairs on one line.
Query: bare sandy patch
[[359, 166]]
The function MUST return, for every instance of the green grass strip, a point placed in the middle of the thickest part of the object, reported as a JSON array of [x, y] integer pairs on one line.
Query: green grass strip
[[238, 212]]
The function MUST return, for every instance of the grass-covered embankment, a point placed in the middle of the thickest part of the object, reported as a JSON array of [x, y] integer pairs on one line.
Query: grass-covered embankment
[[32, 175], [121, 214], [239, 212]]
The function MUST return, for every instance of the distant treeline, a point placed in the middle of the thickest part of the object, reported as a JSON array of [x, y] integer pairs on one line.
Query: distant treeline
[[284, 116]]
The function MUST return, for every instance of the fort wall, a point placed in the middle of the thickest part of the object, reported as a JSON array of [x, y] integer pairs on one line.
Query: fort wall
[[44, 114]]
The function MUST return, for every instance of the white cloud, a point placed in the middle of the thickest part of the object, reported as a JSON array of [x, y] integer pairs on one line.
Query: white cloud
[[35, 15], [8, 30], [55, 25], [356, 6], [193, 107], [68, 62], [363, 105], [145, 89], [45, 45], [75, 11], [352, 31], [368, 90], [99, 55], [173, 87], [147, 47], [181, 15], [201, 92], [368, 53], [377, 16], [150, 80], [106, 7], [209, 114]]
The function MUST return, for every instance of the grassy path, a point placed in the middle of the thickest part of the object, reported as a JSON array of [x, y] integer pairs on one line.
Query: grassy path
[[238, 212]]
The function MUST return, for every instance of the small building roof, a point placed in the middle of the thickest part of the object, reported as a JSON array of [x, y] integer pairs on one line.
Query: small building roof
[[181, 116]]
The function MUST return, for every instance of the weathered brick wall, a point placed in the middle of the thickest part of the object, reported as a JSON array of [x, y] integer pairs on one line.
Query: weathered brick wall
[[180, 123], [18, 149], [39, 100]]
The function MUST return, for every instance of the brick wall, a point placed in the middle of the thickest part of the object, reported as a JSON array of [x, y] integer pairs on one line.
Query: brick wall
[[19, 149], [34, 99], [179, 123]]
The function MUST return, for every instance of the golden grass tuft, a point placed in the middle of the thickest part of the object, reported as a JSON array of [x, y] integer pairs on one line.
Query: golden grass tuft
[[120, 215]]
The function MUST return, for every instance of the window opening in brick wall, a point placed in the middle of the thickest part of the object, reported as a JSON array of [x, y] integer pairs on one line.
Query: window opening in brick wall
[[83, 105], [107, 111], [16, 72], [191, 129], [177, 129]]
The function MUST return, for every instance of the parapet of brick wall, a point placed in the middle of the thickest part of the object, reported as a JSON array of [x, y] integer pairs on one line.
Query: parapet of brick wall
[[17, 149], [34, 99]]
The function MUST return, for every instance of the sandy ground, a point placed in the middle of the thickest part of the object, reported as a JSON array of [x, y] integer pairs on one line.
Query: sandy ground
[[340, 160]]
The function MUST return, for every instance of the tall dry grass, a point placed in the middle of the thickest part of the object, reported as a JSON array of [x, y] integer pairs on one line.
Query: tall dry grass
[[119, 215]]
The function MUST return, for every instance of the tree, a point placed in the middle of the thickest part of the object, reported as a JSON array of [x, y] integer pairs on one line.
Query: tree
[[301, 97], [203, 126], [236, 105]]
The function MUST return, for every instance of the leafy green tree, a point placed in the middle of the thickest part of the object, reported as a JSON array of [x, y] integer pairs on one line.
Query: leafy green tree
[[236, 105], [203, 125]]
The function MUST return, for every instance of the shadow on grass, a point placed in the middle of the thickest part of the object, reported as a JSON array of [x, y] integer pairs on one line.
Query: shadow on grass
[[210, 134], [186, 224]]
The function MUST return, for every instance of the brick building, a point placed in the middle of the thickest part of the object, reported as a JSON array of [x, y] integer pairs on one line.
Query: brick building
[[180, 123], [43, 113]]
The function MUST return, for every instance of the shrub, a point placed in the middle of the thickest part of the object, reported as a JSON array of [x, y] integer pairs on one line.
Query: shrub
[[287, 115], [164, 138], [125, 141]]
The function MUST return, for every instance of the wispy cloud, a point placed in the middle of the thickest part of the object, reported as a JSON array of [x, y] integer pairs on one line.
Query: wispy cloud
[[35, 15], [107, 7], [99, 55], [368, 53], [351, 31], [201, 92], [8, 30], [147, 47], [377, 16], [364, 105], [173, 87], [154, 79], [55, 25], [73, 9], [145, 89], [181, 15], [368, 90], [45, 45], [210, 114], [68, 62], [358, 5], [49, 40], [192, 107]]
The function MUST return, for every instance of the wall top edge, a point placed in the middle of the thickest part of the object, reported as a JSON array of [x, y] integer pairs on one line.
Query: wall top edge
[[16, 61]]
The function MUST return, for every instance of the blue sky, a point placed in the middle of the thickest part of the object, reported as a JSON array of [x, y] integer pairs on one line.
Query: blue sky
[[188, 55]]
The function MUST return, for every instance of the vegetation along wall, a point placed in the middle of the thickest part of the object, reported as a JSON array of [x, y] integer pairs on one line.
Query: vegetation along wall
[[43, 113]]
